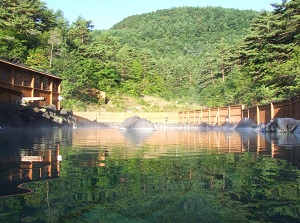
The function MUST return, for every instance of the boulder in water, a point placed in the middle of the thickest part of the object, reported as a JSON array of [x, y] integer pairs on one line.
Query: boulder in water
[[246, 123], [137, 123], [204, 126], [281, 125], [286, 124]]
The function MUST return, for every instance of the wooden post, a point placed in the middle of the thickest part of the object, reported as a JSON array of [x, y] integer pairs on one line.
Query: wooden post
[[51, 91], [229, 113], [257, 115], [12, 82], [30, 172], [32, 85], [12, 77], [201, 116], [242, 111], [58, 91], [218, 116], [272, 110]]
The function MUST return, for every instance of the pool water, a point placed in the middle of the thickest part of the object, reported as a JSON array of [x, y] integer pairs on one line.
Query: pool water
[[168, 175]]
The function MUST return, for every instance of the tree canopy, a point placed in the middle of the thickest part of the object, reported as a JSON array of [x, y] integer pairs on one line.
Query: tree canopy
[[212, 56]]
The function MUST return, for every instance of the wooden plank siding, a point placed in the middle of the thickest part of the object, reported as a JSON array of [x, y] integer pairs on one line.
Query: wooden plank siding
[[279, 109], [19, 81], [264, 113], [212, 116]]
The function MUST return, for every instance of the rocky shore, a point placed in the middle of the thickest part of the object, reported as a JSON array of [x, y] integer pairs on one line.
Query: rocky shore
[[22, 116]]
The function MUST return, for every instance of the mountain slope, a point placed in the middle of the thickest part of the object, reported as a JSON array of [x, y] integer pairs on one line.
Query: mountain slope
[[183, 30]]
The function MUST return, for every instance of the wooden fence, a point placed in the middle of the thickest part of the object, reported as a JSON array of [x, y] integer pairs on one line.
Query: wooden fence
[[281, 109], [215, 116], [155, 117], [212, 116]]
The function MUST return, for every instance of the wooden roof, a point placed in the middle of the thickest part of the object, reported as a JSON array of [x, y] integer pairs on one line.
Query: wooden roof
[[29, 69]]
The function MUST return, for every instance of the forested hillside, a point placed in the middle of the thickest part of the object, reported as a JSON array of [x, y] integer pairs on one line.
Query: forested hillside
[[192, 48], [211, 56], [185, 30]]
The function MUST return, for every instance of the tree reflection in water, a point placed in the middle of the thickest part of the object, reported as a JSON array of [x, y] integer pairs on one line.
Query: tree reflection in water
[[168, 176]]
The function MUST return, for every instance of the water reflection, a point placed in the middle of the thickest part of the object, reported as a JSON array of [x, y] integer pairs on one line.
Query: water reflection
[[108, 175], [280, 145], [136, 137], [32, 154], [27, 155], [28, 166]]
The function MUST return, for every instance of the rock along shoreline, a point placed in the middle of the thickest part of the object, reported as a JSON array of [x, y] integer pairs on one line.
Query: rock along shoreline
[[24, 116]]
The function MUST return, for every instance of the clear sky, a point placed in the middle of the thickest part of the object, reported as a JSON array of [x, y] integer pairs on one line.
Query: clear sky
[[105, 13]]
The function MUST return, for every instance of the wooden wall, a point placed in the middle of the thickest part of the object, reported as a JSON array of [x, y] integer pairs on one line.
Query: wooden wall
[[280, 109], [213, 116], [20, 81], [216, 116]]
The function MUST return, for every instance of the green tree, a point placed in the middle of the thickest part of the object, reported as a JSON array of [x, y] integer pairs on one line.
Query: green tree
[[21, 24], [78, 34], [269, 51], [37, 58]]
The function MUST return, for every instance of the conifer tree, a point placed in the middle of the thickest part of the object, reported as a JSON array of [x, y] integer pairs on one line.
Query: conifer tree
[[269, 50], [21, 24]]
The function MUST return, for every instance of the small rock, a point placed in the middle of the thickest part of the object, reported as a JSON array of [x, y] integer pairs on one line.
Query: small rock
[[63, 112]]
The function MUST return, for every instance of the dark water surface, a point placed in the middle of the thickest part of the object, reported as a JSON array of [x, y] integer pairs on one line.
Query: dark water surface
[[108, 175]]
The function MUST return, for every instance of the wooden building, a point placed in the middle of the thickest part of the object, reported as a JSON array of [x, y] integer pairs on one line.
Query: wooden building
[[17, 82]]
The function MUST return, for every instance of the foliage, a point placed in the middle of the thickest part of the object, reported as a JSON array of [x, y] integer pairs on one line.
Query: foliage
[[21, 25], [270, 52], [212, 56]]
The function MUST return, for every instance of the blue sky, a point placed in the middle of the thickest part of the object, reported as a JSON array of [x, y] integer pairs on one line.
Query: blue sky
[[105, 13]]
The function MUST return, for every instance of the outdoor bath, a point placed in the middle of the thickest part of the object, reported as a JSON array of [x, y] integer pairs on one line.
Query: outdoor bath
[[167, 175]]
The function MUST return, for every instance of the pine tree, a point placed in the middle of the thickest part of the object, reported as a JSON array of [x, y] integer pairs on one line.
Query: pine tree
[[79, 32], [21, 24], [269, 49]]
